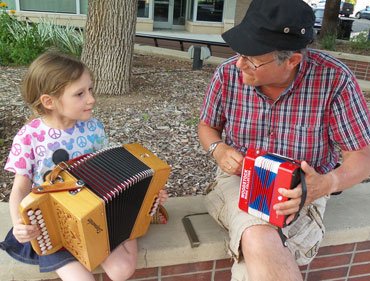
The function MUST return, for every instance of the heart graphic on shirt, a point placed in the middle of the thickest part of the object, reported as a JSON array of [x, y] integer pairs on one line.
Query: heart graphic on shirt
[[53, 146], [21, 164], [70, 130], [35, 123], [27, 139]]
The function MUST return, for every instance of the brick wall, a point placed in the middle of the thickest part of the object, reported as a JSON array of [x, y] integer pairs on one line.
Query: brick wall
[[360, 69], [348, 262]]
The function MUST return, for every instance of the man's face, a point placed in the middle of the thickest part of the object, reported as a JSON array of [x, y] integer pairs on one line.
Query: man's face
[[262, 70]]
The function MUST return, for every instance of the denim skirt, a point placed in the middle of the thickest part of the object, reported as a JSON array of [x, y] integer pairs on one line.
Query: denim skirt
[[24, 252]]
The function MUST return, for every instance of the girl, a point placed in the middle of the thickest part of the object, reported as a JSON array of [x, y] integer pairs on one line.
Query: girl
[[59, 90]]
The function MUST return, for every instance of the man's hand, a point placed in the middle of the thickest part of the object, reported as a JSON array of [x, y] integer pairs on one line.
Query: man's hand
[[316, 184], [228, 158]]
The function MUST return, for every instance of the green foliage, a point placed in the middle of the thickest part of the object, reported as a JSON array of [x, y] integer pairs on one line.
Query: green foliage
[[21, 42], [329, 42], [360, 42]]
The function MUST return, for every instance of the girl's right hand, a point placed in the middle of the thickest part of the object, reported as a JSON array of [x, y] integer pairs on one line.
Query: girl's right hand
[[24, 233]]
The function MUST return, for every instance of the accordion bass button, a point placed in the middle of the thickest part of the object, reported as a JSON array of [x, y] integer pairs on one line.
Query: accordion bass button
[[31, 218], [38, 212], [30, 213]]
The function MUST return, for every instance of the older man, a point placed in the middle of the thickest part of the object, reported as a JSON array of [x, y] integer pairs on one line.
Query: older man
[[276, 95]]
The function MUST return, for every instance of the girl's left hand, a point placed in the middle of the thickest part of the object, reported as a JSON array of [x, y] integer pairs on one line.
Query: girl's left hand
[[163, 196]]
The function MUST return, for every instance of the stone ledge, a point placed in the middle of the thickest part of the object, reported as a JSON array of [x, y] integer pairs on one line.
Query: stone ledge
[[347, 220]]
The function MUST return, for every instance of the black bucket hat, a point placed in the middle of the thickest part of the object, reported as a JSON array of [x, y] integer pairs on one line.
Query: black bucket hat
[[271, 25]]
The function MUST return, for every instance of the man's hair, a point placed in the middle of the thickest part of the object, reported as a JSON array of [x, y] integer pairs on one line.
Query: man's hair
[[282, 56]]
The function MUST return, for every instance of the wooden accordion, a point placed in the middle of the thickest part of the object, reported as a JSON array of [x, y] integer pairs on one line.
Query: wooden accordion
[[109, 196], [262, 175]]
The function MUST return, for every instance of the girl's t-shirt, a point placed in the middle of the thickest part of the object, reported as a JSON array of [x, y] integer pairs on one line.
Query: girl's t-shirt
[[37, 148]]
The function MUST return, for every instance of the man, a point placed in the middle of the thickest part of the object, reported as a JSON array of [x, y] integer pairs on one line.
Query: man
[[278, 96]]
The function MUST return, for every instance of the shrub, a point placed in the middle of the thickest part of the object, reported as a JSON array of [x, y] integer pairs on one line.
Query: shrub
[[360, 41]]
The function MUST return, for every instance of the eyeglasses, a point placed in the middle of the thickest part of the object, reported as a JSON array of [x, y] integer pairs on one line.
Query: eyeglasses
[[250, 64]]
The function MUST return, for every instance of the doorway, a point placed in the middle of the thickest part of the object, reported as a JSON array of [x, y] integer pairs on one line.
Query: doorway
[[169, 14]]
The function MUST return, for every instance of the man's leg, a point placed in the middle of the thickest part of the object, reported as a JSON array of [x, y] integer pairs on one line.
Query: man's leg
[[265, 256]]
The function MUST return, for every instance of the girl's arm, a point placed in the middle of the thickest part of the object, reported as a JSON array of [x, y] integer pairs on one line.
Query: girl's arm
[[21, 187]]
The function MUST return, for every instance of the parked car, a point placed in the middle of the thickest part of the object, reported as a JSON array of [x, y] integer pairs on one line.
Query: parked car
[[319, 15], [364, 13], [345, 9]]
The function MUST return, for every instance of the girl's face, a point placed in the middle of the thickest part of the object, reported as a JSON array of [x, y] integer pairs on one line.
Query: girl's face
[[75, 103]]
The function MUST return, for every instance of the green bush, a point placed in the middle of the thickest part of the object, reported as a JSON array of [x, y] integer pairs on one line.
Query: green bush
[[360, 42], [21, 42]]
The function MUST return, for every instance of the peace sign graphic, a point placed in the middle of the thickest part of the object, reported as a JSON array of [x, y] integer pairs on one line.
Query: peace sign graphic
[[16, 149], [81, 141], [55, 133], [40, 150], [91, 126]]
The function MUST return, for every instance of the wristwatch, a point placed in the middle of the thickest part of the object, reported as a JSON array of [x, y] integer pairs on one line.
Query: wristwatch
[[212, 147]]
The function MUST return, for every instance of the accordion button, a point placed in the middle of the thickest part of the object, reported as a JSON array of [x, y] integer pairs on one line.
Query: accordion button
[[48, 244], [31, 218], [43, 248], [43, 229], [46, 236], [30, 213], [45, 233], [39, 217], [39, 237], [41, 221], [50, 247], [44, 252], [34, 222], [42, 225], [38, 212], [42, 245]]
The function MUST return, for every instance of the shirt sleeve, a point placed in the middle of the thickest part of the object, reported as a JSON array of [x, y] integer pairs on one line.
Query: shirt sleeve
[[350, 118], [21, 159], [212, 110]]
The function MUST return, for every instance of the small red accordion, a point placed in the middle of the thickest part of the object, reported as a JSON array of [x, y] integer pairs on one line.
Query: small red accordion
[[262, 175]]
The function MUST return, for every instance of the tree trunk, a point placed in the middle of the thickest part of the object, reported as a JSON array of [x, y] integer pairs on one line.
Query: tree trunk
[[330, 20], [109, 44]]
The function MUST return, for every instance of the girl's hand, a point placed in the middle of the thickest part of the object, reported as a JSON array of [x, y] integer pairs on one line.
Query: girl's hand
[[24, 233], [163, 196]]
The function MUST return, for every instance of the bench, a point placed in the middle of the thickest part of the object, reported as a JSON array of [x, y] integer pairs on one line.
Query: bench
[[347, 220]]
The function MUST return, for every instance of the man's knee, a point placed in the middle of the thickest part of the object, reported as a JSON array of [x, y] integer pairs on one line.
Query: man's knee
[[259, 237]]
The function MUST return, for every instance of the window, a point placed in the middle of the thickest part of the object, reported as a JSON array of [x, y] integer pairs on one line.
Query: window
[[143, 9], [210, 10]]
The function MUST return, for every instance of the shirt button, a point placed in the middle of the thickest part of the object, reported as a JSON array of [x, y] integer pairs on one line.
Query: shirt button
[[271, 133]]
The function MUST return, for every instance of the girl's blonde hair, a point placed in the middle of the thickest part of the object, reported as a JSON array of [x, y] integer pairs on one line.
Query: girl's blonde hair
[[49, 74]]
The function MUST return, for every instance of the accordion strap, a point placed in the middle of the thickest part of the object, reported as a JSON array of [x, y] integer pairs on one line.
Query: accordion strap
[[61, 185]]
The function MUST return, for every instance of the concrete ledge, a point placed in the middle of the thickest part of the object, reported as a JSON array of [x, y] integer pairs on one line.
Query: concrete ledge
[[347, 220]]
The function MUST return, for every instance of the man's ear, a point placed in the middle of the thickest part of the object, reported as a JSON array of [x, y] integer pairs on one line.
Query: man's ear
[[294, 60], [47, 101]]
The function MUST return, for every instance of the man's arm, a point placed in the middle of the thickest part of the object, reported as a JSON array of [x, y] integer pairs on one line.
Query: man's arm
[[228, 158], [354, 168]]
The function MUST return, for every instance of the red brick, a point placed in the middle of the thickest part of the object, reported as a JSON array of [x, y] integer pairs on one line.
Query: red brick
[[363, 246], [303, 267], [225, 263], [360, 269], [222, 275], [145, 272], [362, 257], [188, 267], [344, 248], [327, 274], [362, 278], [323, 262], [205, 276]]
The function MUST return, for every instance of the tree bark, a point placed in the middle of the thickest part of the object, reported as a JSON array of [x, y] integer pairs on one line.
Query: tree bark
[[109, 44], [330, 20]]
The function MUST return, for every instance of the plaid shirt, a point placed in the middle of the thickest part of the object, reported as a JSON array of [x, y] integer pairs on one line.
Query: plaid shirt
[[322, 108]]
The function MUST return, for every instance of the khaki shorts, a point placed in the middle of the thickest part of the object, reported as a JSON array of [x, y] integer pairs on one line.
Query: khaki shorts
[[304, 236]]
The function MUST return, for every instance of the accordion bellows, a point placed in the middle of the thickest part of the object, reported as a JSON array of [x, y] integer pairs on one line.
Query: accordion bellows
[[262, 175], [117, 201]]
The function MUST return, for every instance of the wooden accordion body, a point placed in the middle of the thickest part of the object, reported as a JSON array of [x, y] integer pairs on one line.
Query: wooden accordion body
[[116, 202], [262, 175]]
